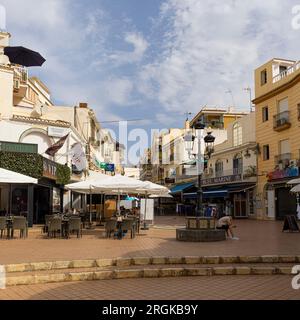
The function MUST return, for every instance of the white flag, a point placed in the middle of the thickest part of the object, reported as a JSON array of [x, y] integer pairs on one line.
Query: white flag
[[78, 157]]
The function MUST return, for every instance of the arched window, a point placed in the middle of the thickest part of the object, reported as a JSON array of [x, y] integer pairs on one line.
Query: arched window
[[237, 135], [238, 164], [219, 168]]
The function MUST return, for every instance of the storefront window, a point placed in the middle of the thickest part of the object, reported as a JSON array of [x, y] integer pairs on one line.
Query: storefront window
[[19, 200]]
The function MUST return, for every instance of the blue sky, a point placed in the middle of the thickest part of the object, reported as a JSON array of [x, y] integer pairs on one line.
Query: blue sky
[[152, 59]]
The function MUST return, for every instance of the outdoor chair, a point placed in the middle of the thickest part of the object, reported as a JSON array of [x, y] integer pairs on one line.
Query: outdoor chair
[[48, 217], [128, 225], [54, 226], [20, 223], [75, 225], [3, 225], [110, 227]]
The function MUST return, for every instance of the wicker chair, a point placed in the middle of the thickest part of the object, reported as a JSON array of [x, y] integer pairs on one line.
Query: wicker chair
[[3, 225], [55, 225], [110, 227], [48, 217], [20, 223], [75, 225]]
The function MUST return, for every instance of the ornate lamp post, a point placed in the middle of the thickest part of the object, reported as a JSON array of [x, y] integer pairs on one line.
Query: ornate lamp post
[[189, 141]]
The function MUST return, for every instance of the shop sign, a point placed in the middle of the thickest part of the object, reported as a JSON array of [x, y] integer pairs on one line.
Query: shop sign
[[57, 132], [220, 180], [49, 169]]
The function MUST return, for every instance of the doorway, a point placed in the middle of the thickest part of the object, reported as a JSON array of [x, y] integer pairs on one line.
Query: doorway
[[41, 204]]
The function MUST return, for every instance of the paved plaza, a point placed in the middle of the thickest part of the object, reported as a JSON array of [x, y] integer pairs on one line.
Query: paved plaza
[[195, 288], [255, 238]]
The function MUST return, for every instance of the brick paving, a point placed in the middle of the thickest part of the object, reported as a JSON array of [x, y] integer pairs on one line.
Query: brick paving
[[194, 288], [256, 238]]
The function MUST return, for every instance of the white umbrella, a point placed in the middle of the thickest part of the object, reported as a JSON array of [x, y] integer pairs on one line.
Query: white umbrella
[[11, 177], [294, 181], [296, 189], [86, 186], [119, 184]]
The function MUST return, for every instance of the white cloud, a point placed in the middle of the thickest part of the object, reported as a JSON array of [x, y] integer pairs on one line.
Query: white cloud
[[212, 46], [139, 44]]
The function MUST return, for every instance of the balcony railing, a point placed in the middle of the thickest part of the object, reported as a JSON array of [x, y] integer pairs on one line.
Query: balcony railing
[[283, 159], [287, 72], [282, 121], [21, 74]]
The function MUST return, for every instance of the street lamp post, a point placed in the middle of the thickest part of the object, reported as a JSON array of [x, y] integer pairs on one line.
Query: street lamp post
[[209, 140]]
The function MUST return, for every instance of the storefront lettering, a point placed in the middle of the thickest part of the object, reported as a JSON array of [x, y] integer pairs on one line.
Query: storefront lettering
[[225, 179]]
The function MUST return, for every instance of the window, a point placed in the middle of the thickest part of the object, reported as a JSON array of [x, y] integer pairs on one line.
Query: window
[[283, 105], [263, 77], [238, 164], [284, 146], [219, 168], [265, 114], [237, 135], [282, 69], [266, 152]]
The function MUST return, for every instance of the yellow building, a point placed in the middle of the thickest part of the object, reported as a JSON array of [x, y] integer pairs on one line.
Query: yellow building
[[277, 100], [216, 118]]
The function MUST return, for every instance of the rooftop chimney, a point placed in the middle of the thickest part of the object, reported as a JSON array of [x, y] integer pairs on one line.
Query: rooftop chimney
[[83, 105]]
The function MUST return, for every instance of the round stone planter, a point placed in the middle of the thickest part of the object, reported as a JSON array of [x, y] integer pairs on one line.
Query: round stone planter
[[198, 235]]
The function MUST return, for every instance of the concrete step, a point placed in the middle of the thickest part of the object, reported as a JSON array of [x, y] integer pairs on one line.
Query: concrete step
[[145, 267], [146, 261]]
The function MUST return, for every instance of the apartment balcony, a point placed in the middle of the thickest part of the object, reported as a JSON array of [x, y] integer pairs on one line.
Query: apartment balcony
[[285, 167], [287, 72], [20, 82], [282, 121], [283, 160]]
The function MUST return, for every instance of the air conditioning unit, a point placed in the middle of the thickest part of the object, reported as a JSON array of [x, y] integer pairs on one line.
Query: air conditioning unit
[[16, 84]]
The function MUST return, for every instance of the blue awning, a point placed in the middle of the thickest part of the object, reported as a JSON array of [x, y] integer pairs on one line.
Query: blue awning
[[222, 193], [182, 187]]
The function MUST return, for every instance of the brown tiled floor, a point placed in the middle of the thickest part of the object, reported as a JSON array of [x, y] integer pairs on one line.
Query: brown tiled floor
[[192, 288], [256, 238]]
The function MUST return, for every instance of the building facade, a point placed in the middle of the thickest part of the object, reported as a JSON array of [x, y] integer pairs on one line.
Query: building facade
[[229, 179], [277, 100]]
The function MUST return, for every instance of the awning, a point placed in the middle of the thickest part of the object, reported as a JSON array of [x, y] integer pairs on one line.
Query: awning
[[222, 193], [181, 187]]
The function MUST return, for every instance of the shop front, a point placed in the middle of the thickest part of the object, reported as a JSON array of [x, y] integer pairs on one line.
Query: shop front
[[233, 199], [280, 202]]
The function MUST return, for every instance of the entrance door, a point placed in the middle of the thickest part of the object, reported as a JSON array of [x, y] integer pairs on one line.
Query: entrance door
[[271, 203], [240, 206], [285, 203], [41, 204]]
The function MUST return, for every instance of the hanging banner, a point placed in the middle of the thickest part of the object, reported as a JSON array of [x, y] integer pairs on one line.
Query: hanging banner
[[78, 157]]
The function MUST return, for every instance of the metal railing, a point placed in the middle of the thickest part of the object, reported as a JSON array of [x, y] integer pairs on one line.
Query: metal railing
[[287, 72], [283, 158], [281, 119], [21, 74]]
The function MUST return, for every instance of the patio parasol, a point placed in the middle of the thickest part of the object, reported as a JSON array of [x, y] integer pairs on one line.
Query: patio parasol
[[24, 57]]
